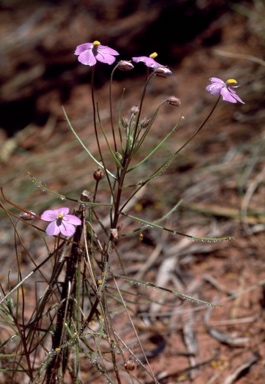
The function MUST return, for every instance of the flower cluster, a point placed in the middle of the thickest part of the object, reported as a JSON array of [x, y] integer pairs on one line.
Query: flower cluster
[[90, 53]]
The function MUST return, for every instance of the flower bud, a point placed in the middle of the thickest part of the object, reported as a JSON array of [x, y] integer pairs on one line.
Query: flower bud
[[85, 196], [114, 232], [130, 365], [134, 110], [119, 155], [145, 122], [172, 100], [125, 65], [98, 174], [162, 71], [27, 215], [125, 122]]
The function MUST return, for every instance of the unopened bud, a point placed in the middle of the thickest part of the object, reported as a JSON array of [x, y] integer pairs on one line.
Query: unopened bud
[[98, 174], [27, 215], [130, 365], [125, 65], [134, 110], [119, 156], [114, 232], [145, 122], [85, 196], [125, 122], [162, 71], [172, 100]]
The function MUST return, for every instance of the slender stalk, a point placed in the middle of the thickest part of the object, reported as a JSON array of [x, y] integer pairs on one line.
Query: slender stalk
[[110, 107], [127, 158], [95, 128], [63, 313]]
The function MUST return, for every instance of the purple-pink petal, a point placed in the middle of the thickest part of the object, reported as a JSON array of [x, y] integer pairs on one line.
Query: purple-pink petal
[[53, 229], [105, 50], [64, 211], [105, 58], [214, 89], [87, 58], [83, 47], [49, 215], [227, 95], [235, 95], [72, 219], [217, 80], [67, 229], [148, 61]]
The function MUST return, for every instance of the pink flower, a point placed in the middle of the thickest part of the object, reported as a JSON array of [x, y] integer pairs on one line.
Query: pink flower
[[60, 222], [148, 61], [225, 89], [160, 70], [90, 53]]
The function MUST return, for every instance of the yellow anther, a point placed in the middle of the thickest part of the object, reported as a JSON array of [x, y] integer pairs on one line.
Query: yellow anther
[[153, 55], [60, 215], [231, 81], [96, 43]]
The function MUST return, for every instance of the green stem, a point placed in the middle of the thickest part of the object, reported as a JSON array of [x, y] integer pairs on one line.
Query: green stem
[[175, 154], [127, 159]]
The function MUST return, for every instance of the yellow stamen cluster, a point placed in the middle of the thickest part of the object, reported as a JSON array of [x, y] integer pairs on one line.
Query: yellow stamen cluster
[[153, 55], [96, 43], [231, 81], [60, 215]]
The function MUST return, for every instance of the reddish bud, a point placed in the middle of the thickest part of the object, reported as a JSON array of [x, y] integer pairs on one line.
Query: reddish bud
[[172, 100], [145, 122], [27, 215], [162, 71], [85, 196], [98, 174], [125, 65], [114, 232], [125, 122], [130, 365], [134, 110]]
